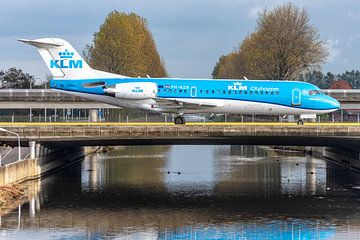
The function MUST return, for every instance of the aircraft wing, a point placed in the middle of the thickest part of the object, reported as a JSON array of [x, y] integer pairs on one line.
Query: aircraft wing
[[170, 103]]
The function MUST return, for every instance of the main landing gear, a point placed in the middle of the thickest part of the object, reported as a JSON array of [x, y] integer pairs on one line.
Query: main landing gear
[[179, 120], [306, 116]]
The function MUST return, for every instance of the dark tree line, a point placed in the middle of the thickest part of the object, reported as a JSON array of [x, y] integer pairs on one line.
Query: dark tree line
[[324, 81], [16, 78]]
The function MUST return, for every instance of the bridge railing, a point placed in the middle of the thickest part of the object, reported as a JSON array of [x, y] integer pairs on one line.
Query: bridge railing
[[349, 95], [38, 95]]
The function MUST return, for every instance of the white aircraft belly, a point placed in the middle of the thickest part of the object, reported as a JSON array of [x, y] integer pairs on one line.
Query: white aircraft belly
[[247, 107]]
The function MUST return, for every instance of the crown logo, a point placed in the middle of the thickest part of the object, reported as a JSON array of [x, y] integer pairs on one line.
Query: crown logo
[[66, 54], [237, 83]]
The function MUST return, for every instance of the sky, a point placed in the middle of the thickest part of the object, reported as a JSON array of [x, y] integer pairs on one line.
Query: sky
[[190, 35]]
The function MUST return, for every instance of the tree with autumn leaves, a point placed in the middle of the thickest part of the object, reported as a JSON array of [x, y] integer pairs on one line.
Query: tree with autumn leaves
[[124, 45], [283, 46]]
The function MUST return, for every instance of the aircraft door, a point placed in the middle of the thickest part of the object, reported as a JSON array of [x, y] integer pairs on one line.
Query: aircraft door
[[296, 97], [193, 91]]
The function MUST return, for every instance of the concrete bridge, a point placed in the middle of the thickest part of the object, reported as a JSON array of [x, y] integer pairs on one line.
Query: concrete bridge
[[104, 134], [52, 145]]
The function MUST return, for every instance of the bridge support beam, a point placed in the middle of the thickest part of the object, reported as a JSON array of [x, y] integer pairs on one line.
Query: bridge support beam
[[93, 115]]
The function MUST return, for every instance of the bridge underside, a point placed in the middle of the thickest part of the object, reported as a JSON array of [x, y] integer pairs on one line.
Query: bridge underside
[[328, 141]]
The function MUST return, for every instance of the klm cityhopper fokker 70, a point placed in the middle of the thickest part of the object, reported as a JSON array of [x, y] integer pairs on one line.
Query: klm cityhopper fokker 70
[[72, 75]]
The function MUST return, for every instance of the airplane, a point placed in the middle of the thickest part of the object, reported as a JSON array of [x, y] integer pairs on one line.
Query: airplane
[[72, 75]]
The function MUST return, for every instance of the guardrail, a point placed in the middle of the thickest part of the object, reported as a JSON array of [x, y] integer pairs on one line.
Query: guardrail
[[38, 95]]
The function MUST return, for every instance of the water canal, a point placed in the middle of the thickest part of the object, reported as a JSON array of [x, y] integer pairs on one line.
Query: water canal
[[192, 192]]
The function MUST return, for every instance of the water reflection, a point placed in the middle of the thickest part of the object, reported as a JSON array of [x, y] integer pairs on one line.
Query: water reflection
[[192, 192]]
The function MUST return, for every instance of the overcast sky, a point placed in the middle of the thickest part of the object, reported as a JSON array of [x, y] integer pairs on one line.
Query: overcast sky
[[190, 34]]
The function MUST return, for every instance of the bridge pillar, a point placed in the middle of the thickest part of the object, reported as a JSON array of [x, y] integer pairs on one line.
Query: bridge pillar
[[93, 115], [32, 148]]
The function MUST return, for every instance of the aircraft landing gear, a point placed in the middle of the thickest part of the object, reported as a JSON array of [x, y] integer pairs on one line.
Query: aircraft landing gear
[[179, 120], [300, 122]]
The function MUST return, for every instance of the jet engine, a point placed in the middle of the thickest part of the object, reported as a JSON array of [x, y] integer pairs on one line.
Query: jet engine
[[133, 90]]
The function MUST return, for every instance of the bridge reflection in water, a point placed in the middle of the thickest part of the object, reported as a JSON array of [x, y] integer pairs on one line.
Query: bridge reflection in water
[[193, 192]]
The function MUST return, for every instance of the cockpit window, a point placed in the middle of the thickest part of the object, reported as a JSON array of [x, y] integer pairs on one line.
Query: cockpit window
[[315, 92]]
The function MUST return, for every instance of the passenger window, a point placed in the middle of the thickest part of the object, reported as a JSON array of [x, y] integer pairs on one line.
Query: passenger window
[[224, 92], [229, 91], [256, 92], [250, 92], [180, 90], [240, 92], [218, 91], [185, 91], [201, 91], [213, 91], [207, 91], [261, 92], [245, 92], [170, 90]]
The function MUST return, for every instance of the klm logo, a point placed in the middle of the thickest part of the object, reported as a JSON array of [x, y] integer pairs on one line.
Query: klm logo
[[237, 86], [137, 90], [66, 61]]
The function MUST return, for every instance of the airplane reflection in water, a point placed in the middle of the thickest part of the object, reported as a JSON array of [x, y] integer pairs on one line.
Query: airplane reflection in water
[[232, 192]]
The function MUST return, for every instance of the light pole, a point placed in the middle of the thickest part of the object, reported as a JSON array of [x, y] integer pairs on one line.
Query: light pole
[[18, 140]]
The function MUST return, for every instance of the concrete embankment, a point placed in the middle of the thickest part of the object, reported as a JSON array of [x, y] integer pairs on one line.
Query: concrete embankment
[[19, 171], [46, 161], [14, 177]]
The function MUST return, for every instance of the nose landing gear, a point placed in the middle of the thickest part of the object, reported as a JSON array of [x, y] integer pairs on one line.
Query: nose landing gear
[[300, 122], [179, 120]]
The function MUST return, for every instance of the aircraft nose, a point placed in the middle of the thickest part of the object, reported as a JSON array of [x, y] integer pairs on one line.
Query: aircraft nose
[[335, 103]]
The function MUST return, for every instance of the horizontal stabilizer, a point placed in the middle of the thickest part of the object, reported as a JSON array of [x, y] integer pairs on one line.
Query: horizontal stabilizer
[[46, 43]]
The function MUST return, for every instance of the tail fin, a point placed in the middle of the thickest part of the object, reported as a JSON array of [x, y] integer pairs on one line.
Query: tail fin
[[61, 58]]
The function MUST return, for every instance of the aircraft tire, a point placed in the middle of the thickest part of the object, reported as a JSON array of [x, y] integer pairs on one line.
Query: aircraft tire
[[179, 120]]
